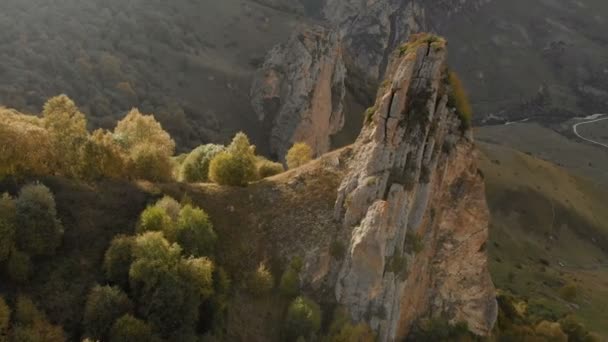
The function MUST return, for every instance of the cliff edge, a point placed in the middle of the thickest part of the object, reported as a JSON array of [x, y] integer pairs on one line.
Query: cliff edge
[[415, 205]]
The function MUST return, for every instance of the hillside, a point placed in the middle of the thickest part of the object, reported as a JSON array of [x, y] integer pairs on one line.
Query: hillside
[[192, 62], [549, 229]]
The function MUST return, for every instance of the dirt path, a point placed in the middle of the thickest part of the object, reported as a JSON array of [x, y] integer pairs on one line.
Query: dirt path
[[575, 129]]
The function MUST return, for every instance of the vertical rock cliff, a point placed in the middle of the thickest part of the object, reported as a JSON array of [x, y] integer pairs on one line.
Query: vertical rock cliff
[[415, 205], [299, 91]]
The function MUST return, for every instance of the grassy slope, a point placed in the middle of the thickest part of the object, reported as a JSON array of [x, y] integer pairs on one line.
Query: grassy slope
[[548, 229], [505, 51]]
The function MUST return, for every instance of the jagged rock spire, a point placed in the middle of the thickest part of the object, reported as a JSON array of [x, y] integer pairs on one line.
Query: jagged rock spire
[[416, 206]]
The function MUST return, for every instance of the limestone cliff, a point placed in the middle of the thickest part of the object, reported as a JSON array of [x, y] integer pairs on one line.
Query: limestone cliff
[[299, 91], [414, 205], [371, 29]]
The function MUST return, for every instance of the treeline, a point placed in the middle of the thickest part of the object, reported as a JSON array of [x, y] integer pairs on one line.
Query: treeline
[[141, 55], [58, 143], [161, 283]]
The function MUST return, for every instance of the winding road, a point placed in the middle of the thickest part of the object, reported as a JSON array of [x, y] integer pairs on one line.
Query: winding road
[[575, 129]]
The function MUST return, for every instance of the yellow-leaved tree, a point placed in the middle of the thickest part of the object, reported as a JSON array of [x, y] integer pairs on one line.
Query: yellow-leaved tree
[[101, 157], [298, 155], [25, 146], [237, 165], [147, 144], [67, 127]]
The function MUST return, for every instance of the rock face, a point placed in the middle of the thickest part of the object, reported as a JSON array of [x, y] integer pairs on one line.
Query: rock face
[[372, 29], [299, 91], [415, 204]]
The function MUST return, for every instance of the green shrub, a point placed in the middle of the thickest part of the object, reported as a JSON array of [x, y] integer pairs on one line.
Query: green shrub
[[459, 99], [151, 164], [290, 283], [7, 226], [195, 167], [117, 260], [413, 242], [5, 319], [105, 304], [343, 330], [236, 165], [198, 273], [31, 325], [194, 232], [267, 168], [303, 319], [130, 329], [298, 155], [39, 231], [153, 258], [154, 219], [169, 289], [260, 282], [19, 266], [171, 207]]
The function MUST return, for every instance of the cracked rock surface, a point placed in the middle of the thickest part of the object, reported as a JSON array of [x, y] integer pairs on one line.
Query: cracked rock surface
[[415, 205]]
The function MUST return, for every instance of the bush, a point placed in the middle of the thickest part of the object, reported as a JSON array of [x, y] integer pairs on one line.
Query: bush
[[5, 319], [290, 283], [19, 266], [198, 273], [129, 329], [101, 157], [261, 281], [154, 219], [303, 319], [105, 304], [136, 129], [153, 258], [195, 167], [459, 99], [267, 168], [169, 289], [151, 164], [194, 232], [117, 260], [8, 214], [236, 165], [39, 230], [298, 155], [31, 325], [171, 207], [343, 330]]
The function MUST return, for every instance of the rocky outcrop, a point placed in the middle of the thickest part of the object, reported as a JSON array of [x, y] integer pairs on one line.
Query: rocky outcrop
[[415, 206], [371, 30], [299, 91]]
